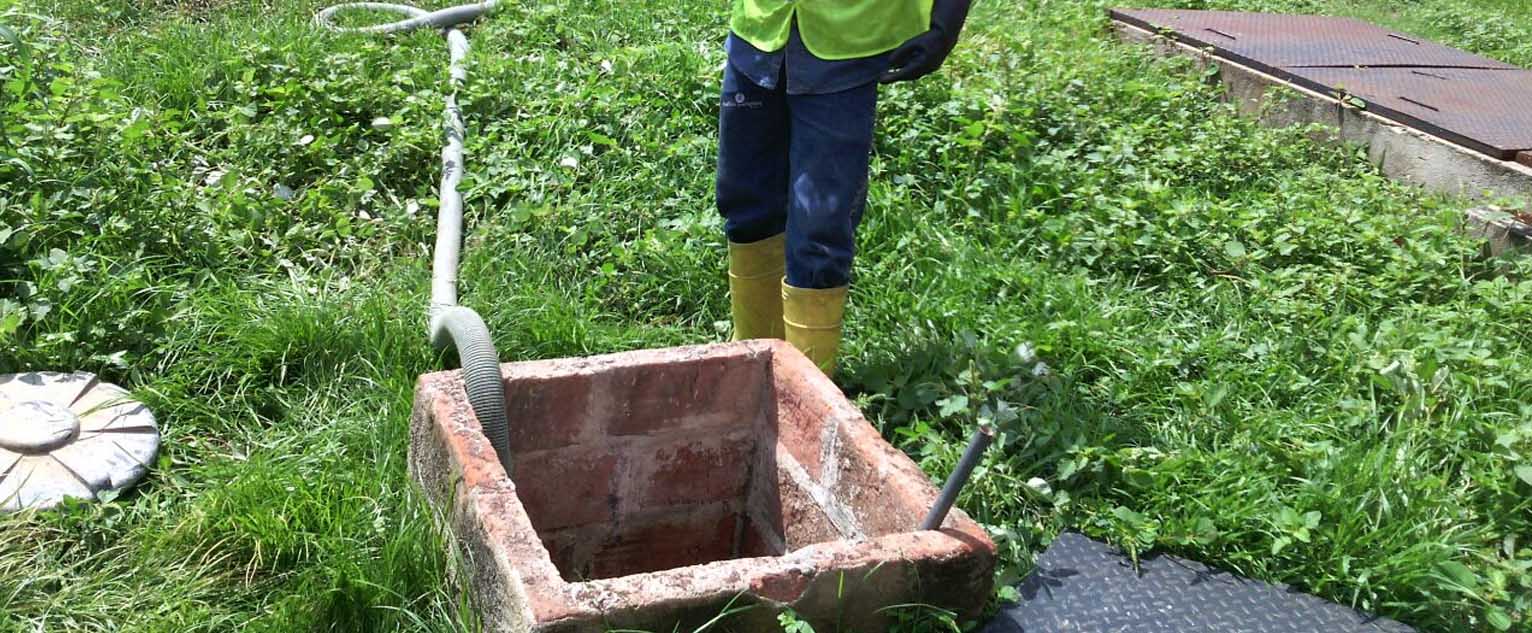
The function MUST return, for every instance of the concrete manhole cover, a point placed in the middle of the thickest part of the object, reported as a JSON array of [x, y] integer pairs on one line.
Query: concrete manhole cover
[[69, 435]]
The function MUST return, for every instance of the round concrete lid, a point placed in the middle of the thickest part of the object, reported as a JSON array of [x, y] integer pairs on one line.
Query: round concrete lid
[[69, 435]]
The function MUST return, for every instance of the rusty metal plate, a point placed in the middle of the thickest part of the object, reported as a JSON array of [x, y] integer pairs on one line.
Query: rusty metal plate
[[1474, 101], [1272, 42], [1485, 110]]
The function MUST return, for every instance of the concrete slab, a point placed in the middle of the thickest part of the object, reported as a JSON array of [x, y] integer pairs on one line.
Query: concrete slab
[[1504, 232], [652, 490]]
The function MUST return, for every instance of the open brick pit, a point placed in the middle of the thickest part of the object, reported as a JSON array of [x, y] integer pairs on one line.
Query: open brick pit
[[653, 489]]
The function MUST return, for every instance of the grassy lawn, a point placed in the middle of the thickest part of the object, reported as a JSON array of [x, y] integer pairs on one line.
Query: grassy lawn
[[1263, 354]]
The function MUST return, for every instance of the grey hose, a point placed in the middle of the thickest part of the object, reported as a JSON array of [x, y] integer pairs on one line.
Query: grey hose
[[447, 18], [462, 328], [451, 325]]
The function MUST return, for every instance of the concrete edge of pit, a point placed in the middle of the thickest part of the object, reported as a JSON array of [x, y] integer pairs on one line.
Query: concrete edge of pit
[[1402, 153]]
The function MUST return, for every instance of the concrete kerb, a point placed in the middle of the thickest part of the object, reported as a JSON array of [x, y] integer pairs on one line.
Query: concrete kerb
[[1503, 233], [1400, 152]]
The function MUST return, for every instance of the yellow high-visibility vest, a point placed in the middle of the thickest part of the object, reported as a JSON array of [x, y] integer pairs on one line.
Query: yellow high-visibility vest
[[831, 29]]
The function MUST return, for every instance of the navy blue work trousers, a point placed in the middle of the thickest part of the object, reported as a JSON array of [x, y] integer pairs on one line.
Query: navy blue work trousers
[[796, 163]]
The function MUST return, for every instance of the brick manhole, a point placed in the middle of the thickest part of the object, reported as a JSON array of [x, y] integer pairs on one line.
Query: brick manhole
[[652, 489]]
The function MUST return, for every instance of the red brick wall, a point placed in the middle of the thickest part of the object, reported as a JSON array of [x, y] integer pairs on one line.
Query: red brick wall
[[640, 467]]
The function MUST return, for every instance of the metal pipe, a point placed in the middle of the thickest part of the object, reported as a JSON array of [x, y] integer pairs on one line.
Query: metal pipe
[[959, 477]]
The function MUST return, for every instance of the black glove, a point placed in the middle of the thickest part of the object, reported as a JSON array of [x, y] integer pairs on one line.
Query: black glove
[[924, 53]]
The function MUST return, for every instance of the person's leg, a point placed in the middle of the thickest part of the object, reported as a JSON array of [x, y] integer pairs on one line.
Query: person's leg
[[830, 144], [752, 196]]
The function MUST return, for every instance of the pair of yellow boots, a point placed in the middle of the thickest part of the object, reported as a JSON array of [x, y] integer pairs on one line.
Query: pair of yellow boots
[[765, 306]]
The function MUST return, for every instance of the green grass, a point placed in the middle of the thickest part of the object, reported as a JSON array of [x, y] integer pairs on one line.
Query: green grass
[[1262, 354]]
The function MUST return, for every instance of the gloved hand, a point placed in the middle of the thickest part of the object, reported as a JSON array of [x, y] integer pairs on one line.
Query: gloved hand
[[924, 53]]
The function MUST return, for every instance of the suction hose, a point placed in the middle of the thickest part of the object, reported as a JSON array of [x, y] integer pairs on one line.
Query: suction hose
[[451, 326]]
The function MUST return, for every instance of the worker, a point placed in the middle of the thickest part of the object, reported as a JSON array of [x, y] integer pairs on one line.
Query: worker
[[795, 133]]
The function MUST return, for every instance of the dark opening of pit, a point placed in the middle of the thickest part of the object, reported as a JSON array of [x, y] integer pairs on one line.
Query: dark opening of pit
[[643, 468], [663, 544]]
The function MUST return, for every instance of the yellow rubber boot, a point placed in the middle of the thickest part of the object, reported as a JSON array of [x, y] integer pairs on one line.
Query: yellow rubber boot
[[755, 298], [812, 318]]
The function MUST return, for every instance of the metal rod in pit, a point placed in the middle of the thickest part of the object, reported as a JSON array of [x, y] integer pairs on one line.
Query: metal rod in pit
[[955, 482]]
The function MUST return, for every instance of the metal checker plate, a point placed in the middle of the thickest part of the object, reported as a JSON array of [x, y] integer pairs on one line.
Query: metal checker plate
[[1271, 41], [1486, 110], [1082, 585]]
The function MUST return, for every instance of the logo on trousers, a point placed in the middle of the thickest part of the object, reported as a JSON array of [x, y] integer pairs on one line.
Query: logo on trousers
[[740, 101]]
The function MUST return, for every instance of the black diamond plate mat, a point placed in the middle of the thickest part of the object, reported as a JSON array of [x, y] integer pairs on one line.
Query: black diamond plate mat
[[1083, 586], [1474, 101], [1487, 110]]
